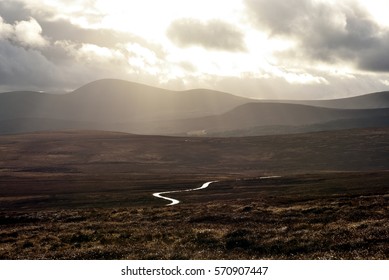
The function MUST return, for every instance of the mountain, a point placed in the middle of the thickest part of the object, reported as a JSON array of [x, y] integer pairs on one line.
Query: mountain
[[284, 118], [367, 101], [117, 105], [342, 124], [112, 101]]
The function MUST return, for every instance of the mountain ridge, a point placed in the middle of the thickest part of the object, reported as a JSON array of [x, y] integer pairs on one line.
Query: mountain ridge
[[253, 115], [116, 100], [119, 105], [370, 100]]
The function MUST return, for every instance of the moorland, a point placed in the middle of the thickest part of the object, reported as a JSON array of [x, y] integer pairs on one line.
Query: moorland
[[88, 195], [295, 179]]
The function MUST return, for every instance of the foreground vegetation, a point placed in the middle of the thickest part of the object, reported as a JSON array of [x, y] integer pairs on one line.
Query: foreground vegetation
[[88, 195], [314, 216]]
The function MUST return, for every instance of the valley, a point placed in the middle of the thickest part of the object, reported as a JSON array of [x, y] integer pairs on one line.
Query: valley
[[120, 170], [89, 195], [194, 130], [116, 105]]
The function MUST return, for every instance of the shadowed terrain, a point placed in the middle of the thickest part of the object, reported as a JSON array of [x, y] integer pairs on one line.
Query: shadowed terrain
[[281, 118], [116, 105], [115, 101], [88, 195], [367, 101], [322, 216]]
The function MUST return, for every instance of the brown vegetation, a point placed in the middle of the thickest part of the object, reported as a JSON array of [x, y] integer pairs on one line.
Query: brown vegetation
[[89, 196], [325, 216]]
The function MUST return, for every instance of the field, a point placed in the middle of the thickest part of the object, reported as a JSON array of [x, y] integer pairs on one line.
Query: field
[[88, 195]]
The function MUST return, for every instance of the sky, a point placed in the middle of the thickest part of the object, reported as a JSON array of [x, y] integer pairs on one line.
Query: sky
[[295, 49]]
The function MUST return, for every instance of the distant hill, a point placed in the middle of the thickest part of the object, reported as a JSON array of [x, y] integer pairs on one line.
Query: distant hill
[[282, 118], [368, 101], [39, 124], [112, 101], [117, 105], [342, 124], [98, 152]]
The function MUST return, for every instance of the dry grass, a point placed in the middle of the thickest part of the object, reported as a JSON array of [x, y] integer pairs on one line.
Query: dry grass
[[88, 195], [282, 220]]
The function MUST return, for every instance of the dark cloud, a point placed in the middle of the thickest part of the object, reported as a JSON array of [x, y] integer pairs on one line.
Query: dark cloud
[[280, 17], [40, 52], [279, 88], [13, 11], [325, 31], [24, 67], [30, 69], [62, 30], [213, 34], [377, 58]]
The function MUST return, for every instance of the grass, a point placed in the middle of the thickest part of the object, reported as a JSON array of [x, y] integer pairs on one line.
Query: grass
[[283, 220], [88, 195]]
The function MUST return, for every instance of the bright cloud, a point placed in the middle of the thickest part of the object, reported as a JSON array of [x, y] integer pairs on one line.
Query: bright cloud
[[252, 48], [27, 33], [5, 29]]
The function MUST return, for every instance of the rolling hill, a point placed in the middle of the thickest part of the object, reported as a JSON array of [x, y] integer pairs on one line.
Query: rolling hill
[[104, 153], [330, 200], [284, 118], [367, 101], [111, 101], [116, 105]]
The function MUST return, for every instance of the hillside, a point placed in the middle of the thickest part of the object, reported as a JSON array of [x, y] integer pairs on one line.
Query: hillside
[[285, 118], [101, 153], [112, 101], [330, 201], [367, 101], [117, 105]]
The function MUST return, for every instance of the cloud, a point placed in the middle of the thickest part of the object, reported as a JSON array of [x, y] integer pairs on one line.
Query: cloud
[[26, 33], [6, 30], [376, 58], [385, 82], [48, 53], [62, 30], [30, 69], [213, 34], [28, 60], [82, 12], [13, 11], [24, 67], [325, 31], [295, 48], [29, 33]]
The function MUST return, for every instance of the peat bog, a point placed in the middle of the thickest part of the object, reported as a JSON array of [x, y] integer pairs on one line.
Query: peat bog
[[88, 195]]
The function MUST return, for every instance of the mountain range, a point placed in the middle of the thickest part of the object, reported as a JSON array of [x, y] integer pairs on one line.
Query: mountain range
[[117, 105]]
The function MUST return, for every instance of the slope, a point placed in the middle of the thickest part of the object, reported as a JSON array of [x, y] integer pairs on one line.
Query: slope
[[366, 101], [111, 101], [254, 115]]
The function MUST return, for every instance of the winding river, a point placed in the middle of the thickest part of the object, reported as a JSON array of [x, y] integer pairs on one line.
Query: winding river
[[205, 185], [175, 201]]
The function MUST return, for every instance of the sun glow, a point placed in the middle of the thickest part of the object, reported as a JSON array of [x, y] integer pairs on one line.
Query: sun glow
[[378, 9], [150, 18], [197, 42]]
